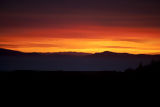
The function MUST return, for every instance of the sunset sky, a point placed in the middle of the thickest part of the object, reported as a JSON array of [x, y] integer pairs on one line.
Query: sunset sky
[[131, 26]]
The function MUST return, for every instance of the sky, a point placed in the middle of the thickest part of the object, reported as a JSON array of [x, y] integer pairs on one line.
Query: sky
[[130, 26]]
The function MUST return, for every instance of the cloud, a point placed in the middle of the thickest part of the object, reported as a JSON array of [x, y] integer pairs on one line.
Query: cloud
[[53, 13], [41, 45], [132, 40], [8, 45], [125, 47], [118, 47], [29, 45]]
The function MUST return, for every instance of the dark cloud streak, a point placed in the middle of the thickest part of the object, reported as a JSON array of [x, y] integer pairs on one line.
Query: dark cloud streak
[[52, 13], [28, 45]]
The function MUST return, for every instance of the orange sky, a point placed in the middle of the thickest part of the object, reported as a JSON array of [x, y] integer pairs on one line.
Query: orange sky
[[58, 26], [83, 39]]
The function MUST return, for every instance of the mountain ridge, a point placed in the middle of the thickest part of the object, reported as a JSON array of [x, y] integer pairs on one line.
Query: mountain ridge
[[15, 60], [6, 52]]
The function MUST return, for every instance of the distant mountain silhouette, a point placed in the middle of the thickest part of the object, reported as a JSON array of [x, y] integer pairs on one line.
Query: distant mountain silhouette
[[69, 53], [108, 53], [7, 52]]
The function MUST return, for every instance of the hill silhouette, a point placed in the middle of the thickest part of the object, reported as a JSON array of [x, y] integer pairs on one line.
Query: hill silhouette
[[6, 52], [9, 52], [100, 54], [108, 53]]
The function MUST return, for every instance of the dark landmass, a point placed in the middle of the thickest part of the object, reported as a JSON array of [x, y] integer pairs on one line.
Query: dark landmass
[[15, 65], [11, 60], [148, 72]]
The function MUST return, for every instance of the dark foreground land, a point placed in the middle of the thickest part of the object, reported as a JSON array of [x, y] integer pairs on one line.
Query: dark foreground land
[[148, 72], [65, 75], [85, 75]]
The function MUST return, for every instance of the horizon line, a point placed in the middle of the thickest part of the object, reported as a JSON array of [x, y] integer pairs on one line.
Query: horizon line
[[82, 52]]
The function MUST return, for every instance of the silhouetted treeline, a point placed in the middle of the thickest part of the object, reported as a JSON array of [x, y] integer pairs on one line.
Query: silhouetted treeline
[[154, 66]]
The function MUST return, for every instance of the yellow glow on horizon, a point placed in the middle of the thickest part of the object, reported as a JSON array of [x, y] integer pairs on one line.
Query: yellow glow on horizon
[[89, 46]]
